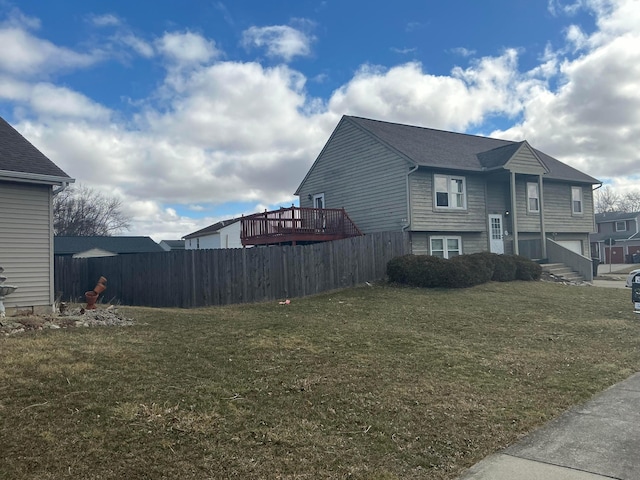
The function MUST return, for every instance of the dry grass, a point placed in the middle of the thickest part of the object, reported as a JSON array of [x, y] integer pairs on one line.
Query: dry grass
[[383, 383]]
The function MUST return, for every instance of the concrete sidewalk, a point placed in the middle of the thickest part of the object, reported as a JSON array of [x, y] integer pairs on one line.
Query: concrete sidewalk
[[596, 441]]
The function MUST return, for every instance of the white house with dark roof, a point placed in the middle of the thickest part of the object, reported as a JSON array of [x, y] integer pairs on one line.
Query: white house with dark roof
[[28, 182], [617, 239], [224, 234], [454, 193]]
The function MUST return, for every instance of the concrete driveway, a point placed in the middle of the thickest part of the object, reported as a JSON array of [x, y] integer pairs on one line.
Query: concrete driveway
[[613, 276]]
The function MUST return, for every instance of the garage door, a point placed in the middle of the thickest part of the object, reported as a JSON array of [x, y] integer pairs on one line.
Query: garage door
[[573, 245], [614, 254]]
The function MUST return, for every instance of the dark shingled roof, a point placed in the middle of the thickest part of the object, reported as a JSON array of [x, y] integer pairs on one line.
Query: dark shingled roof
[[616, 216], [459, 151], [212, 228], [72, 245], [17, 154], [174, 244]]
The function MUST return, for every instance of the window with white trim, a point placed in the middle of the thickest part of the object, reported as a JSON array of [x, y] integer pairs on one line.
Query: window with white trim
[[533, 198], [621, 226], [450, 192], [576, 200], [445, 247]]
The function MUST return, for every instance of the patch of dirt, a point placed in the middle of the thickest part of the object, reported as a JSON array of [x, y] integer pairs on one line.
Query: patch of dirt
[[550, 277], [69, 317]]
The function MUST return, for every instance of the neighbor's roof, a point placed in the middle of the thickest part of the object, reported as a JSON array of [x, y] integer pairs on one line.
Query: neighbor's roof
[[174, 244], [449, 150], [212, 228], [20, 159], [618, 236], [616, 216], [71, 245]]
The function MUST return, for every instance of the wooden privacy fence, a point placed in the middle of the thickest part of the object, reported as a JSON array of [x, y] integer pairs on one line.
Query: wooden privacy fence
[[196, 278]]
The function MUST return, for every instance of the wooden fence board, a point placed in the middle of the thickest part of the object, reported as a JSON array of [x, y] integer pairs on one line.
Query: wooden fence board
[[193, 278]]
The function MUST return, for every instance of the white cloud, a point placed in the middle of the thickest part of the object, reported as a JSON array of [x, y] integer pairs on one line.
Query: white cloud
[[463, 52], [592, 120], [407, 94], [280, 41], [186, 48], [24, 54], [225, 131], [106, 20], [140, 46]]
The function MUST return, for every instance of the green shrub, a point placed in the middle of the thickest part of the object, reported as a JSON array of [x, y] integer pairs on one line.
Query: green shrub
[[416, 270], [470, 270], [504, 268], [398, 268], [527, 269], [461, 271]]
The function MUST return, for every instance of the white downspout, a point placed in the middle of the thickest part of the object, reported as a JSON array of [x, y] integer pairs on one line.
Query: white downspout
[[404, 227], [63, 187]]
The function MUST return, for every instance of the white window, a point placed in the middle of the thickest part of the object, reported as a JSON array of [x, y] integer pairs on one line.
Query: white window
[[533, 198], [318, 200], [450, 192], [576, 200], [446, 247], [621, 226]]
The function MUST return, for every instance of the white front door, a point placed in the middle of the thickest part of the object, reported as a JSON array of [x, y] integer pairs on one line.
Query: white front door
[[496, 242]]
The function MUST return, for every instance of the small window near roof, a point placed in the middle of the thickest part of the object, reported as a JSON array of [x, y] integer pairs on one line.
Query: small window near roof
[[576, 200], [533, 198], [621, 226]]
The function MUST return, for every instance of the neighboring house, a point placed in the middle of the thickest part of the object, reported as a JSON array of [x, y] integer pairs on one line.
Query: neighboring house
[[622, 228], [28, 182], [224, 234], [168, 245], [85, 247], [454, 193]]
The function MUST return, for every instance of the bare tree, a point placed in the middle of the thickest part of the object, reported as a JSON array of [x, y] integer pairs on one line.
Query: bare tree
[[82, 211], [630, 201], [607, 200]]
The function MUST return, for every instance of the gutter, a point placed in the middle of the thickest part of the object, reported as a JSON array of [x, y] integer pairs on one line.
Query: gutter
[[27, 177], [405, 227], [61, 188]]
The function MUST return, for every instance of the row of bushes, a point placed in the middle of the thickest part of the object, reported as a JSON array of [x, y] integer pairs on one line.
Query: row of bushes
[[461, 271]]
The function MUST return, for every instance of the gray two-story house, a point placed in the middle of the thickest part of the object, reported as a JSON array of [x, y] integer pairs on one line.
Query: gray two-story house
[[617, 237], [453, 193]]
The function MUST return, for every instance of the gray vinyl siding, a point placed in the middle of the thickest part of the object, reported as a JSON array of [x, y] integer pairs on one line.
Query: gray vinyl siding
[[525, 162], [498, 200], [25, 243], [558, 216], [426, 217], [361, 175], [530, 221]]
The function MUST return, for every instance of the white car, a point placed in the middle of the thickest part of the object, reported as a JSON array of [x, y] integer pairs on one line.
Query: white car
[[632, 274]]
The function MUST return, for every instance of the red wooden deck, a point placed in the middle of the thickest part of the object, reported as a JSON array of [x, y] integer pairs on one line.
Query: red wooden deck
[[297, 225]]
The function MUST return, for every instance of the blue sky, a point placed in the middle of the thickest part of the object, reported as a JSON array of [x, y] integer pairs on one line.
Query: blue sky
[[192, 112]]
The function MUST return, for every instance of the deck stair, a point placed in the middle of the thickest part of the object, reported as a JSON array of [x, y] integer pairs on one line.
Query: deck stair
[[561, 271]]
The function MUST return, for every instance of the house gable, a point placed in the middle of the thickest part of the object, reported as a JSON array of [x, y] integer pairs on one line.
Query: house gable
[[516, 157], [361, 173]]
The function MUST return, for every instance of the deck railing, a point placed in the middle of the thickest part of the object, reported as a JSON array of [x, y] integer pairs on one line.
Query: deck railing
[[295, 224]]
